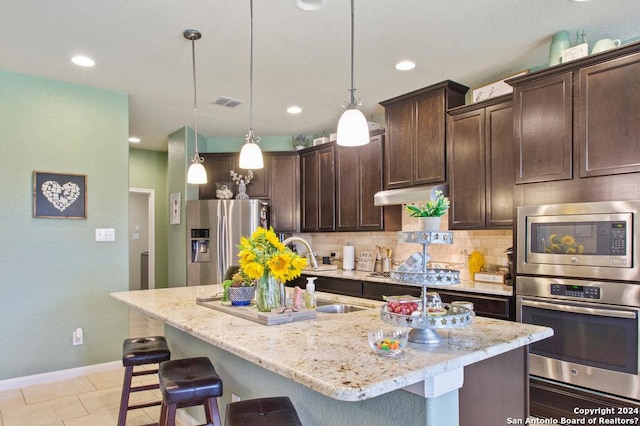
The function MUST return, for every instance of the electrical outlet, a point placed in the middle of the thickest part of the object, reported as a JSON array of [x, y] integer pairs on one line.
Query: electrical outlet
[[78, 337], [234, 397], [105, 234]]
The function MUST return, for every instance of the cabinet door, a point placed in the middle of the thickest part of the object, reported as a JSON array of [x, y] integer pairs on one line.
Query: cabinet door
[[500, 166], [347, 187], [609, 114], [284, 182], [429, 152], [467, 170], [309, 169], [326, 189], [217, 167], [370, 217], [543, 129], [400, 139]]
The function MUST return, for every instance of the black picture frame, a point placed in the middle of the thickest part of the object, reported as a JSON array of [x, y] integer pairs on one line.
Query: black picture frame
[[59, 195]]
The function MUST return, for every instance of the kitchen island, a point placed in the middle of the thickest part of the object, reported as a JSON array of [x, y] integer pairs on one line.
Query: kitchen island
[[325, 365]]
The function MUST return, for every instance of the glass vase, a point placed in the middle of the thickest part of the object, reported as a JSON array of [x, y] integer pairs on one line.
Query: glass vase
[[242, 192], [267, 293]]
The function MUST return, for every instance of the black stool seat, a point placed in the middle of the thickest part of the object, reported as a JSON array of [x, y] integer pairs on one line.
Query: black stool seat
[[136, 352], [275, 411], [145, 350], [187, 382]]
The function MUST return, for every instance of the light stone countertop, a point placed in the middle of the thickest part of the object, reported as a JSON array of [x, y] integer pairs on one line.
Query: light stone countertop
[[331, 353], [464, 286]]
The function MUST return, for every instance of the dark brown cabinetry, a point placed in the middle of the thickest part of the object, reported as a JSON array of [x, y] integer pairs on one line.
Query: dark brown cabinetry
[[317, 169], [284, 181], [416, 134], [542, 129], [278, 181], [580, 120], [359, 175], [480, 143]]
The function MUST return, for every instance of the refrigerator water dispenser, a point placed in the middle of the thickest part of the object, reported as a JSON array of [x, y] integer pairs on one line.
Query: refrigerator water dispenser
[[200, 245]]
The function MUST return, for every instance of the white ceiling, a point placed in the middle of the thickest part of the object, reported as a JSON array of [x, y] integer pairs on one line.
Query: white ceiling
[[301, 57]]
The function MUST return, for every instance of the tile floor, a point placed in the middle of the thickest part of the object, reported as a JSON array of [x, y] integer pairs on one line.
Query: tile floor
[[92, 400]]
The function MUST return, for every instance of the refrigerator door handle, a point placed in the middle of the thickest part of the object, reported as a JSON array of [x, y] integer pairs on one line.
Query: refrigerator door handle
[[223, 241], [220, 226]]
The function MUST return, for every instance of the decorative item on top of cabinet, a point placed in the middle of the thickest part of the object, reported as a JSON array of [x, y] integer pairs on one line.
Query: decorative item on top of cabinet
[[219, 166], [415, 151], [481, 165]]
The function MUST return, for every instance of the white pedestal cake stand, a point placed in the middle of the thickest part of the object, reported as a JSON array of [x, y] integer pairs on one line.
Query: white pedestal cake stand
[[424, 325]]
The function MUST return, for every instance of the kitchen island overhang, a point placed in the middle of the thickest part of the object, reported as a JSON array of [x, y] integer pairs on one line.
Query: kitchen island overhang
[[331, 354]]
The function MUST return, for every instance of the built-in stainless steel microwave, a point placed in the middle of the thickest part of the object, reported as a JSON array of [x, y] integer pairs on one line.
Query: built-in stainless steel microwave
[[584, 240]]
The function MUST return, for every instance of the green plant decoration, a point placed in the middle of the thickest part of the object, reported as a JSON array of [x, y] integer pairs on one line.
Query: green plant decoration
[[432, 208]]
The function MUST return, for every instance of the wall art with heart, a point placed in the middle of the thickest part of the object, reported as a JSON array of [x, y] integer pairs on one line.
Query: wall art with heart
[[57, 195]]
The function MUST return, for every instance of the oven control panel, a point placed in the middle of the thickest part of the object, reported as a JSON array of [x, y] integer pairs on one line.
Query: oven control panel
[[584, 292]]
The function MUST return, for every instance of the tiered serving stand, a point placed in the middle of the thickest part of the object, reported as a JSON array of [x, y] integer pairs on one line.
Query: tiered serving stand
[[424, 325]]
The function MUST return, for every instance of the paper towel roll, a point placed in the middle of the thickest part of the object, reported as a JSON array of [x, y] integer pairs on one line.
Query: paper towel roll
[[348, 258]]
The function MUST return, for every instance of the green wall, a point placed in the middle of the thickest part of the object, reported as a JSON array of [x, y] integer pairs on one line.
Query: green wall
[[148, 170], [54, 277]]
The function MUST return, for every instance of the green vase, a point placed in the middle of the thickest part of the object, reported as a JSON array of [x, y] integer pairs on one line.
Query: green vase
[[267, 293]]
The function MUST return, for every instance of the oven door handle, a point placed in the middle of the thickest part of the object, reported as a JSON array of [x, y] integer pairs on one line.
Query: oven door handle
[[579, 309]]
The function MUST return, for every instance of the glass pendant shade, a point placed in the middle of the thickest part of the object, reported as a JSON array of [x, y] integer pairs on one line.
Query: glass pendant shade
[[353, 129], [251, 156], [196, 173]]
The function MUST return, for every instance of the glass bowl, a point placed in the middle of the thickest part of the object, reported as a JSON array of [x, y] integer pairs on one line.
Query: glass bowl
[[388, 342]]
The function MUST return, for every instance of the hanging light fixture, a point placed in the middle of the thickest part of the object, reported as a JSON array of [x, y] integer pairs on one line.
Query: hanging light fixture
[[196, 173], [250, 154], [353, 129]]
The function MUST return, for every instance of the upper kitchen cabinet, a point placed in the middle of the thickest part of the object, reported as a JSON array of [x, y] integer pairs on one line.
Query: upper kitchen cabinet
[[359, 176], [284, 179], [278, 181], [219, 166], [318, 188], [480, 143], [415, 152], [583, 115], [609, 117], [542, 129]]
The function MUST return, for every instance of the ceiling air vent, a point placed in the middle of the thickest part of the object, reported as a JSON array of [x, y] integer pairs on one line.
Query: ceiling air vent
[[228, 102]]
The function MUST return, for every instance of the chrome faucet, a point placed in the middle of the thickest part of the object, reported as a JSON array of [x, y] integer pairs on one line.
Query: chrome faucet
[[307, 246]]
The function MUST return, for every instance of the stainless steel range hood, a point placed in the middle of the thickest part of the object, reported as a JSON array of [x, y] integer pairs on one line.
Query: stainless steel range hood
[[416, 194]]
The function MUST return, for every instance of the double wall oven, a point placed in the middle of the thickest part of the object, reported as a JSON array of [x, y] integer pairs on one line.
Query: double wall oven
[[578, 272]]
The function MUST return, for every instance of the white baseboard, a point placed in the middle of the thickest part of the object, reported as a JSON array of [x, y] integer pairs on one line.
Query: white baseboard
[[54, 376]]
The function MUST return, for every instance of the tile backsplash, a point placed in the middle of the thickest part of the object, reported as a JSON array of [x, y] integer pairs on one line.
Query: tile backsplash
[[490, 243]]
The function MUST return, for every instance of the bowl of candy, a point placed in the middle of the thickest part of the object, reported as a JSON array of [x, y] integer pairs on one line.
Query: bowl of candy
[[388, 342]]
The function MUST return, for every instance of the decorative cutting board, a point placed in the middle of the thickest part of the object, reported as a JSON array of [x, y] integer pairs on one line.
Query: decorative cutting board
[[251, 313]]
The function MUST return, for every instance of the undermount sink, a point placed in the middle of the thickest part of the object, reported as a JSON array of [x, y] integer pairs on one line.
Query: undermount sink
[[331, 307]]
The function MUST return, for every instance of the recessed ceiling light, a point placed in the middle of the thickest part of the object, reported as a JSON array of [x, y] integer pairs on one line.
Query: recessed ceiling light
[[294, 110], [309, 5], [83, 61], [405, 65], [134, 139]]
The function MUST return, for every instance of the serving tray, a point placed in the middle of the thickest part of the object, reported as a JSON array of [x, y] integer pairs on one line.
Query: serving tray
[[251, 313]]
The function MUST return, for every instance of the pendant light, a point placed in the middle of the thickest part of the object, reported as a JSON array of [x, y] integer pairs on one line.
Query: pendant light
[[196, 173], [250, 154], [353, 129]]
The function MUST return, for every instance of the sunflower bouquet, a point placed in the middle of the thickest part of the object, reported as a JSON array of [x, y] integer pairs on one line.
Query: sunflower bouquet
[[264, 258], [565, 244]]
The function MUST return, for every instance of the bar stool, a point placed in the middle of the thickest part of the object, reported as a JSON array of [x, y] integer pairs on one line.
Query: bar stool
[[188, 382], [136, 352], [274, 411]]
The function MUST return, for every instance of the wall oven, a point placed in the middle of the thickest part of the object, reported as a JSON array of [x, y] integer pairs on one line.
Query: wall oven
[[596, 329]]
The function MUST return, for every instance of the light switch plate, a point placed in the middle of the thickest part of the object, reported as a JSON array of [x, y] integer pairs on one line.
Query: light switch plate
[[105, 234]]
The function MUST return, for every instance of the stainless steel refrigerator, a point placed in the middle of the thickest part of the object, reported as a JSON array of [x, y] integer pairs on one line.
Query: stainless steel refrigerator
[[214, 228]]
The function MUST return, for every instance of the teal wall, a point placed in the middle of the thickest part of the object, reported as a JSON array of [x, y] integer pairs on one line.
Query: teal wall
[[176, 183], [54, 277], [148, 170]]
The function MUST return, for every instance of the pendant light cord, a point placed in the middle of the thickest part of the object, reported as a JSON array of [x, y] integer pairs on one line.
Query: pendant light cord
[[195, 91], [251, 137], [352, 99]]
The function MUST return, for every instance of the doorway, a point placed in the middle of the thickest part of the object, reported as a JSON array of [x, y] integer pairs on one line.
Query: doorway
[[141, 239]]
